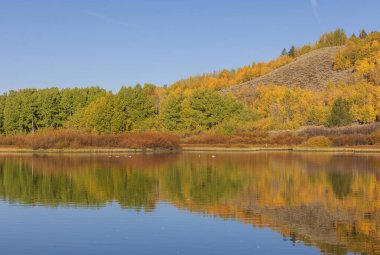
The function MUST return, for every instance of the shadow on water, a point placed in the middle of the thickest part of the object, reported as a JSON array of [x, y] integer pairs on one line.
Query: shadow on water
[[331, 201]]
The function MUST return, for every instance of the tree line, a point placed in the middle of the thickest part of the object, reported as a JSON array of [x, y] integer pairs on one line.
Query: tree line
[[138, 108]]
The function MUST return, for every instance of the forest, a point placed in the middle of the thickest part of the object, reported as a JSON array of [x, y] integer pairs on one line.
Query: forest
[[199, 106]]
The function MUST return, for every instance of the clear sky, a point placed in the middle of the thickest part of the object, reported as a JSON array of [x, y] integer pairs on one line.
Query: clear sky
[[111, 43]]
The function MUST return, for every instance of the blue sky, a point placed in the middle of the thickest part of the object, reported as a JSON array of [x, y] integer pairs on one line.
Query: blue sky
[[69, 43]]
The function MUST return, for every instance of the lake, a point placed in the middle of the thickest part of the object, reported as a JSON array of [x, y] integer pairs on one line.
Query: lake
[[190, 203]]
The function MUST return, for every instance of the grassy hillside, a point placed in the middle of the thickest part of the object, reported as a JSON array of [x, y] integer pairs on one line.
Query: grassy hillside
[[313, 70]]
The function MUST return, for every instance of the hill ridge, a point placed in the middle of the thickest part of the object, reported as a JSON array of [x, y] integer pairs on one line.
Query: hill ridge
[[313, 70]]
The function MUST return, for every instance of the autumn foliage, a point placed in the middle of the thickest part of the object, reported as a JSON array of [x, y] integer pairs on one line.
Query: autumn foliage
[[318, 141]]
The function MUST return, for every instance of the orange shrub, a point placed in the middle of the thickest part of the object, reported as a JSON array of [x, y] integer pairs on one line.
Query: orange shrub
[[286, 138], [318, 141], [15, 140], [60, 139], [375, 138], [351, 140], [244, 138]]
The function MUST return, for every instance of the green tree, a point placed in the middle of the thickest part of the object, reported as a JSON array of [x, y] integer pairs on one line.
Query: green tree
[[67, 107], [73, 103], [340, 114], [29, 110], [99, 114], [284, 52], [363, 34], [48, 108], [11, 113], [292, 52], [3, 99], [20, 111], [171, 113], [204, 110], [139, 106], [119, 117]]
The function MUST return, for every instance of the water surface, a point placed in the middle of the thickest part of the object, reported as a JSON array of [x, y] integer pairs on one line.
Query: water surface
[[190, 203]]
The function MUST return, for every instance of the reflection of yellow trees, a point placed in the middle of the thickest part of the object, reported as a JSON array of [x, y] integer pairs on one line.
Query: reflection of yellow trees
[[332, 201], [81, 182]]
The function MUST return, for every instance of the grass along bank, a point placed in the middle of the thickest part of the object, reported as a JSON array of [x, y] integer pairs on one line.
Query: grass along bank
[[317, 138], [223, 148], [70, 140]]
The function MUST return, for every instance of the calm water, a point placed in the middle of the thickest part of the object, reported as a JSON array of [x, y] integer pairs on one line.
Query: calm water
[[253, 203]]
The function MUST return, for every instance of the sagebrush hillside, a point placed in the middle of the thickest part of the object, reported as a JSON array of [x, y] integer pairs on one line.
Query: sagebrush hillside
[[313, 70]]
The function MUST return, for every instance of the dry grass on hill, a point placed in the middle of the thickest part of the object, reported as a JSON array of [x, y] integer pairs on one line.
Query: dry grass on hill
[[313, 70]]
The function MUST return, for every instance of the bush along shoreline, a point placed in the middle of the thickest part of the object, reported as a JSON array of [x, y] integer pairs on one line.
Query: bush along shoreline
[[70, 139], [315, 137]]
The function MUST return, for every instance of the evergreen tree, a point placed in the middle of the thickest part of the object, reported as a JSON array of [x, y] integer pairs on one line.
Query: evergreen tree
[[139, 106], [171, 114], [73, 103], [292, 52], [340, 114], [12, 112], [284, 52], [67, 103], [363, 34], [204, 110], [3, 99], [29, 114]]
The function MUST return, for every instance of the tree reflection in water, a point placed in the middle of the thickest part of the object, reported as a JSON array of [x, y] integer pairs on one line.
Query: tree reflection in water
[[331, 201]]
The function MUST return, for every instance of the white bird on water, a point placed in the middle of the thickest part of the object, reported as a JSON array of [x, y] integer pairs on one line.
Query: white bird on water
[[213, 156]]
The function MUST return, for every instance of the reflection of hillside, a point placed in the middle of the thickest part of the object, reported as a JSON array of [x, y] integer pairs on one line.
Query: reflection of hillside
[[332, 201]]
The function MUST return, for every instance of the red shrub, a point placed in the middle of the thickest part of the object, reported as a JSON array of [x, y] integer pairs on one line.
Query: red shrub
[[286, 138], [350, 140], [59, 139]]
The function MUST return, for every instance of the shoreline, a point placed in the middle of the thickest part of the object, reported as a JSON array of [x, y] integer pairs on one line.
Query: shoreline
[[195, 148], [4, 150], [282, 149]]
